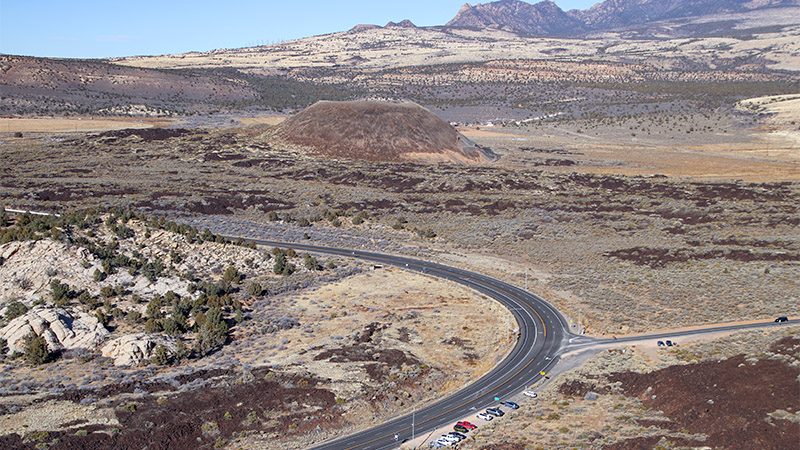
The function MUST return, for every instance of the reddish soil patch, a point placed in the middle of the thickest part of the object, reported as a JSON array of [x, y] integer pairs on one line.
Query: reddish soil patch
[[215, 203], [504, 446], [789, 345], [111, 390], [381, 360], [576, 388], [703, 193], [726, 400], [553, 162], [198, 419], [145, 134], [640, 443], [660, 257]]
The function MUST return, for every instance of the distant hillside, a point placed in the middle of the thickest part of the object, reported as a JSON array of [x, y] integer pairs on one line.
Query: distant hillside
[[547, 19], [378, 131], [44, 86], [36, 86]]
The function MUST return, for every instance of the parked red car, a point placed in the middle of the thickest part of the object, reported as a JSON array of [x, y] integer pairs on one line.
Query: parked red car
[[467, 425]]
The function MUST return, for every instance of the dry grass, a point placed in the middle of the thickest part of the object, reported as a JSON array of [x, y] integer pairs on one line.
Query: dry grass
[[66, 125]]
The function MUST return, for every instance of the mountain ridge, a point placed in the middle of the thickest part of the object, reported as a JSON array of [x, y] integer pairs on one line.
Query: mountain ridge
[[545, 18]]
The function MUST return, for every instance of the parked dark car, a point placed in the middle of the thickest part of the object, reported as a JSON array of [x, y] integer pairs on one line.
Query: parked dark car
[[497, 412], [510, 404], [458, 435]]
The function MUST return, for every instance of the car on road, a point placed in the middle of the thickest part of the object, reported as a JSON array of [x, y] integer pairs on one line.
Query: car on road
[[781, 319], [461, 428], [497, 412], [485, 416], [661, 344], [510, 404], [530, 394], [467, 425]]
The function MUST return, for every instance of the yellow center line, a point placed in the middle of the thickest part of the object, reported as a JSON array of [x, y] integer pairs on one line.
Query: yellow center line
[[464, 404]]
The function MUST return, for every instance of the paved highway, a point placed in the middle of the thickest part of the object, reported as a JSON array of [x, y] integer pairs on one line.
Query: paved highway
[[543, 336]]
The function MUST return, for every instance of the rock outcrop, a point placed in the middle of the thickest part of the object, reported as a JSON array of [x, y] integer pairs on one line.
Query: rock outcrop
[[61, 329], [31, 265], [134, 349]]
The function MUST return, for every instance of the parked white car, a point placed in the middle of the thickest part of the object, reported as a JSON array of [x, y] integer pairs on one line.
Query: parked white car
[[530, 394], [450, 439], [485, 416]]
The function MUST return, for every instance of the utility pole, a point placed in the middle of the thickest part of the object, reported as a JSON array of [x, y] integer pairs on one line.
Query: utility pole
[[526, 278]]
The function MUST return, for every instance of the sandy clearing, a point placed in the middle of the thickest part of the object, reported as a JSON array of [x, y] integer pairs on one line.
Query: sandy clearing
[[55, 415], [783, 124], [765, 154], [476, 132], [442, 311]]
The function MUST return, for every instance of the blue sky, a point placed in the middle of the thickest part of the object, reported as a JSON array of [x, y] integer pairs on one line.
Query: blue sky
[[97, 28]]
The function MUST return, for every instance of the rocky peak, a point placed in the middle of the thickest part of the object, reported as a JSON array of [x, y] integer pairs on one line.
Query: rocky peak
[[543, 18], [402, 24], [621, 13]]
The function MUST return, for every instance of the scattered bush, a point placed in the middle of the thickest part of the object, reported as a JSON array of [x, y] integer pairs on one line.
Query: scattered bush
[[359, 218], [14, 309], [311, 262], [59, 292], [281, 264], [255, 289], [232, 275], [213, 332], [35, 350], [160, 356]]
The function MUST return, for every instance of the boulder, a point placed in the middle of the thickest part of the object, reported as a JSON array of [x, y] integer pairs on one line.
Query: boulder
[[60, 328], [134, 349]]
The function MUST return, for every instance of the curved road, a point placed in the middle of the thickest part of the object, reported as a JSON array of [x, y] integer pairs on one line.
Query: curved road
[[543, 336]]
